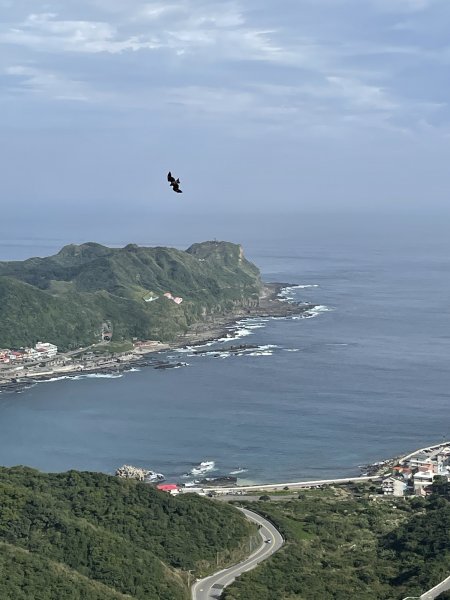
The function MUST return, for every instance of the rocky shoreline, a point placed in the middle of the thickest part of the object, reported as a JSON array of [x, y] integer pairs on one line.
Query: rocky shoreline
[[209, 330]]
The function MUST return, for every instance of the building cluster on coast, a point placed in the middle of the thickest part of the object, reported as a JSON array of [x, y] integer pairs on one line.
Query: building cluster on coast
[[411, 475], [19, 367], [42, 350], [414, 474]]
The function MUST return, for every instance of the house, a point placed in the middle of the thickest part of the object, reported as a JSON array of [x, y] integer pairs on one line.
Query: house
[[31, 355], [421, 480], [443, 461], [420, 459], [175, 299], [393, 486], [46, 349], [4, 356], [172, 488], [402, 470]]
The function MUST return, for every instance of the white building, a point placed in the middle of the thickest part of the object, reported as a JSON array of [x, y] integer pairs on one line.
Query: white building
[[422, 479], [30, 355], [421, 459], [443, 461], [46, 349], [393, 487]]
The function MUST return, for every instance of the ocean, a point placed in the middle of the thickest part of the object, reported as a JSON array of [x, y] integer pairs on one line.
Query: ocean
[[365, 378]]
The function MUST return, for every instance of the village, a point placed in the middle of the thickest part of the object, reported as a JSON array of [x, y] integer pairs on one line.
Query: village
[[24, 365], [414, 473], [42, 350]]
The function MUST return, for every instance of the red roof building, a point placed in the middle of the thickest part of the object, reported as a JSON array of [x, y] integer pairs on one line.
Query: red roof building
[[167, 487]]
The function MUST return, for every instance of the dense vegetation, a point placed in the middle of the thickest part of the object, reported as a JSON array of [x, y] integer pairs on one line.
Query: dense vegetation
[[90, 536], [65, 299], [342, 545]]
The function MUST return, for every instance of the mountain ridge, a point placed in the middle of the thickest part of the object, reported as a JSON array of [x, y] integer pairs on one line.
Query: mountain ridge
[[66, 298]]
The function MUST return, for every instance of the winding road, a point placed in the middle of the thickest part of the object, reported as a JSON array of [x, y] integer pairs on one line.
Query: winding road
[[212, 587]]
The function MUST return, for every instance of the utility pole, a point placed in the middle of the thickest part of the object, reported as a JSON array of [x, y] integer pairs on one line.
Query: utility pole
[[189, 578]]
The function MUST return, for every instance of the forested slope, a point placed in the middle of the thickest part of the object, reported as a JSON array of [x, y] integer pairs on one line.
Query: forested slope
[[87, 535], [66, 298], [345, 545]]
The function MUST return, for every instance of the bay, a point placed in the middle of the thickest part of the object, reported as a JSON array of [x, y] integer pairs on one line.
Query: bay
[[365, 379]]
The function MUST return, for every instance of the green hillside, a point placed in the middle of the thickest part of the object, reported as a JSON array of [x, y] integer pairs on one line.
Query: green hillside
[[90, 536], [65, 298], [345, 545]]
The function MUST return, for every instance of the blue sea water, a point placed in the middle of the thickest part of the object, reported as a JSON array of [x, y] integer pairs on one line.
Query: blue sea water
[[366, 379]]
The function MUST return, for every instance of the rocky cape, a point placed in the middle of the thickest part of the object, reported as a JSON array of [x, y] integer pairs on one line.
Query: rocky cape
[[211, 328], [72, 298]]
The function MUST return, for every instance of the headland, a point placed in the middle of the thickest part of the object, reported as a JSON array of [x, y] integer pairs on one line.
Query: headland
[[101, 359]]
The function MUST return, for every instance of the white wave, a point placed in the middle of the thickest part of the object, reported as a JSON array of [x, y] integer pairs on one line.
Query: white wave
[[204, 467], [133, 370], [84, 376], [102, 375], [238, 471], [317, 310], [290, 288], [291, 349], [57, 378], [191, 349], [236, 335], [285, 295], [321, 308], [183, 350], [313, 312], [253, 320], [263, 353]]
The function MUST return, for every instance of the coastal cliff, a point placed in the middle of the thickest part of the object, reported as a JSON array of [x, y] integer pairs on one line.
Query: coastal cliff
[[87, 291]]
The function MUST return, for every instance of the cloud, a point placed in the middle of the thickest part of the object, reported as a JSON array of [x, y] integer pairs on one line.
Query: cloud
[[47, 84], [45, 31], [217, 30], [223, 60], [395, 6]]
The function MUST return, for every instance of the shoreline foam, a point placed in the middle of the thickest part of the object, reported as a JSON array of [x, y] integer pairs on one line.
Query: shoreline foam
[[222, 328]]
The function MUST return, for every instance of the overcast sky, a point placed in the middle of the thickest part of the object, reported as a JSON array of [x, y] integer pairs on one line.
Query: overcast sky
[[274, 106]]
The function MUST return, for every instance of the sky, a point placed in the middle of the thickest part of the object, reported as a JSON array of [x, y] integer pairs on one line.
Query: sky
[[260, 108]]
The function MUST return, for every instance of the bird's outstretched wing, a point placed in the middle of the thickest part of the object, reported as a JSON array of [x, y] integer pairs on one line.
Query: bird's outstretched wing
[[170, 177]]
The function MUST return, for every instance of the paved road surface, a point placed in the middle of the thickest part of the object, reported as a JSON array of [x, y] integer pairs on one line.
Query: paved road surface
[[212, 587], [439, 589], [296, 485]]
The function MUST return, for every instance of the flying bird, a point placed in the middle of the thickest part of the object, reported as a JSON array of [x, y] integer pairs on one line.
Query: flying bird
[[174, 183]]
